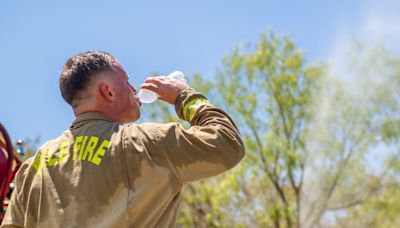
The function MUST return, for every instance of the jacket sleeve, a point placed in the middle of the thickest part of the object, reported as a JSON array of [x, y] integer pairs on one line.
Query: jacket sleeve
[[210, 146], [15, 213]]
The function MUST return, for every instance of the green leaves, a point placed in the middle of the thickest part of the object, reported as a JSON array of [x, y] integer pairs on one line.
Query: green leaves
[[267, 92], [307, 134]]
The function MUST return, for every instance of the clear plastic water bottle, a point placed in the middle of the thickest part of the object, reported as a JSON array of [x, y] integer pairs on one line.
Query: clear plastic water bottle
[[147, 96]]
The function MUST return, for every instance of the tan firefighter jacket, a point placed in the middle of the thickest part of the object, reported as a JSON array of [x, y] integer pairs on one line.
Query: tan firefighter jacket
[[103, 174]]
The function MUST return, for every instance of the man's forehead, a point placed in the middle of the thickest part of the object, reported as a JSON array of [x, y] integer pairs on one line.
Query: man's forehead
[[117, 66]]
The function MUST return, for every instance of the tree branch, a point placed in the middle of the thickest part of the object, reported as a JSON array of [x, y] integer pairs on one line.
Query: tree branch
[[346, 205]]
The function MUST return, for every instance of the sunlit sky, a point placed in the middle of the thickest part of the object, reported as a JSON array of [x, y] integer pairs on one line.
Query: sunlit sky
[[37, 37]]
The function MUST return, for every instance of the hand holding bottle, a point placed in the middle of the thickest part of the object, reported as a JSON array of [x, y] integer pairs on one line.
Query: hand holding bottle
[[166, 88]]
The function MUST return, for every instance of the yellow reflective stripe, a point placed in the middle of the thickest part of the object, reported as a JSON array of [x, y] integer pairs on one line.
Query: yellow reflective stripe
[[185, 108], [191, 112], [192, 106]]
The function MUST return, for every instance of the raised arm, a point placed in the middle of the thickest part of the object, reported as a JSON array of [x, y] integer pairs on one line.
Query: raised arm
[[210, 146]]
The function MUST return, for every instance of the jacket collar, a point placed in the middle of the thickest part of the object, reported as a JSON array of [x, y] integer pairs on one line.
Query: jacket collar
[[86, 117]]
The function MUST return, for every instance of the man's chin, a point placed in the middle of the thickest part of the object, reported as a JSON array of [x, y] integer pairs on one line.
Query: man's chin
[[135, 116], [131, 118]]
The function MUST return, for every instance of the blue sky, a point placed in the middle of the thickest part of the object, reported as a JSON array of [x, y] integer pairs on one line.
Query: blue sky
[[37, 37]]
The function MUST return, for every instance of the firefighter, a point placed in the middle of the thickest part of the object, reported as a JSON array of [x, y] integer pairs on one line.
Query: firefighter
[[105, 171]]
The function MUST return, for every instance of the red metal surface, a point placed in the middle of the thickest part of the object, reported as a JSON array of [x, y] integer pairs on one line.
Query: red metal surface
[[7, 171]]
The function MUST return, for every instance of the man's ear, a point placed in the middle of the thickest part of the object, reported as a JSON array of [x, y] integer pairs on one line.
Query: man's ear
[[107, 92]]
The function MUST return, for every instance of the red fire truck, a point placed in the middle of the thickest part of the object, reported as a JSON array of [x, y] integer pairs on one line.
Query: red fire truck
[[9, 165]]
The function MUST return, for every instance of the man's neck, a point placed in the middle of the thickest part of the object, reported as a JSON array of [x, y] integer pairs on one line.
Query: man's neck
[[107, 112]]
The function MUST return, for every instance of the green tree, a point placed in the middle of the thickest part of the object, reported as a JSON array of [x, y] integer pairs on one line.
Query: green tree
[[269, 91], [377, 204], [307, 135]]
